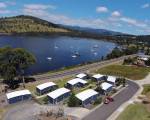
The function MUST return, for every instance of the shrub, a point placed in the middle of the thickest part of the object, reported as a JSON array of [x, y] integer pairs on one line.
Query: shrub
[[98, 101], [73, 101]]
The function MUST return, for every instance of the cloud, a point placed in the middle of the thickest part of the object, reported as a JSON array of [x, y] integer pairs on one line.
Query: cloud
[[4, 11], [39, 10], [3, 5], [62, 19], [146, 5], [102, 9], [38, 6], [116, 21], [116, 14], [133, 22]]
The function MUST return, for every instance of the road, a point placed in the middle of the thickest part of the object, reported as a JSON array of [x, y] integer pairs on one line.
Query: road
[[103, 112], [82, 69]]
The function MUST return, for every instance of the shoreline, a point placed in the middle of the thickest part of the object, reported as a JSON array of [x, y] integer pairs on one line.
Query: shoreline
[[79, 69], [69, 67], [109, 38]]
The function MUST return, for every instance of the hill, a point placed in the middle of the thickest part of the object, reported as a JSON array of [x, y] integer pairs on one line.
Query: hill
[[28, 24], [95, 31]]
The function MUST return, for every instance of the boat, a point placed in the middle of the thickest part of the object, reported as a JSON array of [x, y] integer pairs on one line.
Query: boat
[[49, 58], [95, 46], [77, 54], [74, 56], [95, 53]]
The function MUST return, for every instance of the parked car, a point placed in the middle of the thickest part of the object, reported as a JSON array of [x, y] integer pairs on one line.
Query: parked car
[[110, 99], [106, 101]]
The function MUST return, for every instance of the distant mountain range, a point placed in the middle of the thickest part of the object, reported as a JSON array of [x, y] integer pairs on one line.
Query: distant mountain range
[[24, 24], [94, 30]]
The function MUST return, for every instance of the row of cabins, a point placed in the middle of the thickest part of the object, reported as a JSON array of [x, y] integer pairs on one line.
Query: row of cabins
[[102, 78], [46, 87], [87, 96], [17, 96], [77, 82], [58, 94]]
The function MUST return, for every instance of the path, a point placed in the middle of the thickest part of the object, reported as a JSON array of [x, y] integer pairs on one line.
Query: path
[[103, 112], [142, 82]]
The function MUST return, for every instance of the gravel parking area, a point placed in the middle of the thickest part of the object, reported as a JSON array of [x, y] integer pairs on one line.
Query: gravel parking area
[[28, 111]]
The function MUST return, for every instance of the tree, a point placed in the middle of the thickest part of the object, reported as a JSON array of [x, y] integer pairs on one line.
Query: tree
[[116, 52], [73, 101], [147, 62], [123, 82], [128, 61], [22, 60], [13, 61], [99, 88]]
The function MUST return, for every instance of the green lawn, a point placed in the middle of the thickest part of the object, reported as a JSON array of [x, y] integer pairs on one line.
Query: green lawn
[[32, 87], [146, 90], [91, 85], [1, 113], [131, 72], [135, 112], [62, 82]]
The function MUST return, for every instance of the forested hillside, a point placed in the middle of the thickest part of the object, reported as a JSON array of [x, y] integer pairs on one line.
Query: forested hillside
[[28, 24]]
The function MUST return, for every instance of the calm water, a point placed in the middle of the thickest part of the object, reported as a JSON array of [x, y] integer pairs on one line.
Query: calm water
[[57, 52]]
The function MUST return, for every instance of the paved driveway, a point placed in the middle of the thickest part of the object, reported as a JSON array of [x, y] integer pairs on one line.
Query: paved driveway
[[103, 112]]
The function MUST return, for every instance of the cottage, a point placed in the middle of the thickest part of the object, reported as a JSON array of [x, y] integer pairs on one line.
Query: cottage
[[107, 87], [58, 95], [82, 76], [45, 88], [18, 96], [77, 82], [143, 57], [87, 96], [98, 77], [111, 80]]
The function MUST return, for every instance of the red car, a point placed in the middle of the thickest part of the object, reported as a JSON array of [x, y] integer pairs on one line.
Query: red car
[[110, 99]]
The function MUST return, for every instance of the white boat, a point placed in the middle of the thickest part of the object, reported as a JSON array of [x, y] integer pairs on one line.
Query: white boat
[[95, 53], [77, 54], [95, 46], [74, 56], [49, 58]]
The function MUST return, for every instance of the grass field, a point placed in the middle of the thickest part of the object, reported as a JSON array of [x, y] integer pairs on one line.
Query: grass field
[[135, 112], [131, 72], [89, 86], [146, 90]]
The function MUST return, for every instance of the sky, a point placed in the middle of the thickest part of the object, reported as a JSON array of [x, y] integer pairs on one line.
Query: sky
[[127, 16]]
